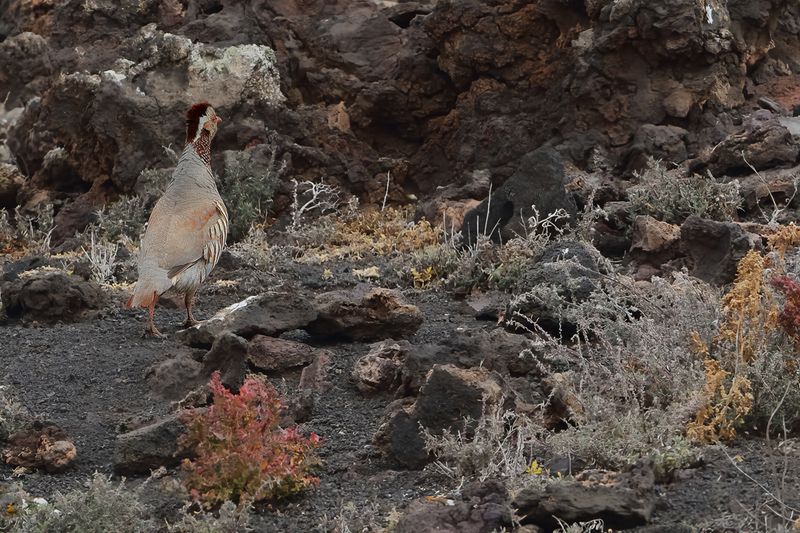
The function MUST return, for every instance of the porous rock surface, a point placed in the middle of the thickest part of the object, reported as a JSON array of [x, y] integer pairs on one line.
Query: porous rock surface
[[430, 91]]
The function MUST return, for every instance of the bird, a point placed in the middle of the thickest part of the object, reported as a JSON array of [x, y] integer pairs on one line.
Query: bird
[[188, 226]]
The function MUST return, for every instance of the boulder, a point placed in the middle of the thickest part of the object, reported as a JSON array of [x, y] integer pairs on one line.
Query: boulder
[[449, 396], [11, 181], [269, 354], [365, 313], [539, 181], [621, 501], [49, 295], [763, 143], [228, 356], [715, 248], [147, 448], [654, 242], [379, 370], [667, 143], [267, 314]]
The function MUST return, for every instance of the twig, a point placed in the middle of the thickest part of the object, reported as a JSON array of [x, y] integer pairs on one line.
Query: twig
[[771, 221], [760, 485], [386, 194], [769, 422]]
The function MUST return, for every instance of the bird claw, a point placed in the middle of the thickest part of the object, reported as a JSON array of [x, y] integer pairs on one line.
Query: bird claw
[[151, 332], [188, 323]]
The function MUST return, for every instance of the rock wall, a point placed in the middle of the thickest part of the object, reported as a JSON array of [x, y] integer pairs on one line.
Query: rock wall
[[430, 91]]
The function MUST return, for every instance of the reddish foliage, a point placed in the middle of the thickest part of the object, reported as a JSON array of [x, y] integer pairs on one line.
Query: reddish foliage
[[789, 317], [241, 452]]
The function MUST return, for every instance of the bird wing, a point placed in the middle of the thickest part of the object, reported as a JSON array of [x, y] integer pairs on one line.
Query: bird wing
[[184, 233]]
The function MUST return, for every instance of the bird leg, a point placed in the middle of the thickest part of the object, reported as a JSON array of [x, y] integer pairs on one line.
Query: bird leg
[[150, 330], [190, 321]]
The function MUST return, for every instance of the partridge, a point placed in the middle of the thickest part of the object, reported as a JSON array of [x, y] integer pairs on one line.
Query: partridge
[[188, 226]]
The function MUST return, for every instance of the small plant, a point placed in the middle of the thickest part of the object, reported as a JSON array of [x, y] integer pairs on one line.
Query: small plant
[[247, 189], [229, 519], [353, 234], [501, 445], [102, 258], [13, 415], [125, 217], [104, 506], [241, 452], [667, 195]]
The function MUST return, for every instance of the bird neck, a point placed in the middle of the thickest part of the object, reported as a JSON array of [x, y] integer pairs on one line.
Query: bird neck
[[202, 145]]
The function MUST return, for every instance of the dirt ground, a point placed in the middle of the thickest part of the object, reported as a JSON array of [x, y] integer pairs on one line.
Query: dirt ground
[[89, 378]]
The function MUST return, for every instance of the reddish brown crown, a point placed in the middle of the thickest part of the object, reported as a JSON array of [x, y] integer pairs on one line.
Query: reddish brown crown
[[193, 119]]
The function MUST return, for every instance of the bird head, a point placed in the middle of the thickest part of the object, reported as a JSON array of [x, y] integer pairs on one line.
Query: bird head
[[201, 118]]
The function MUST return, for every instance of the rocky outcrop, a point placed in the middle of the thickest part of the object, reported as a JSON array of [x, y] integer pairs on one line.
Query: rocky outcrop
[[431, 92]]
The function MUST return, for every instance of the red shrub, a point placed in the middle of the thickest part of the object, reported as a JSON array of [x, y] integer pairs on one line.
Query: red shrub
[[241, 452], [789, 317]]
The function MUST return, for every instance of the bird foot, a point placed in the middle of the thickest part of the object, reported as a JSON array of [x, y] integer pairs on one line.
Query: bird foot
[[189, 322], [151, 332]]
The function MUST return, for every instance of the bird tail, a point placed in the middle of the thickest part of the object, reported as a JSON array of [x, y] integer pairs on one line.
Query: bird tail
[[146, 292]]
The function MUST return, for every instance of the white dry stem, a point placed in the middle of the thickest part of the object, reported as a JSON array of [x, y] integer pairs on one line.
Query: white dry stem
[[102, 257], [772, 220], [322, 197]]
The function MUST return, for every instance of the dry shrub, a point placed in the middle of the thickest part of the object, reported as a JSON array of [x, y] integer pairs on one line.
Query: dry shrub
[[501, 445], [241, 453], [27, 231], [669, 196], [355, 234], [632, 374], [104, 506], [751, 364]]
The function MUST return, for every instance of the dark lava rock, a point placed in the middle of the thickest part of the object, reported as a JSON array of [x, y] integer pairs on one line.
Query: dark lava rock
[[43, 446], [150, 447], [12, 270], [715, 248], [379, 370], [11, 181], [763, 144], [449, 395], [482, 508], [182, 374], [314, 376], [228, 356], [175, 376], [496, 350], [667, 143], [271, 353], [489, 305], [539, 181], [623, 501], [365, 313], [51, 296], [265, 314]]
